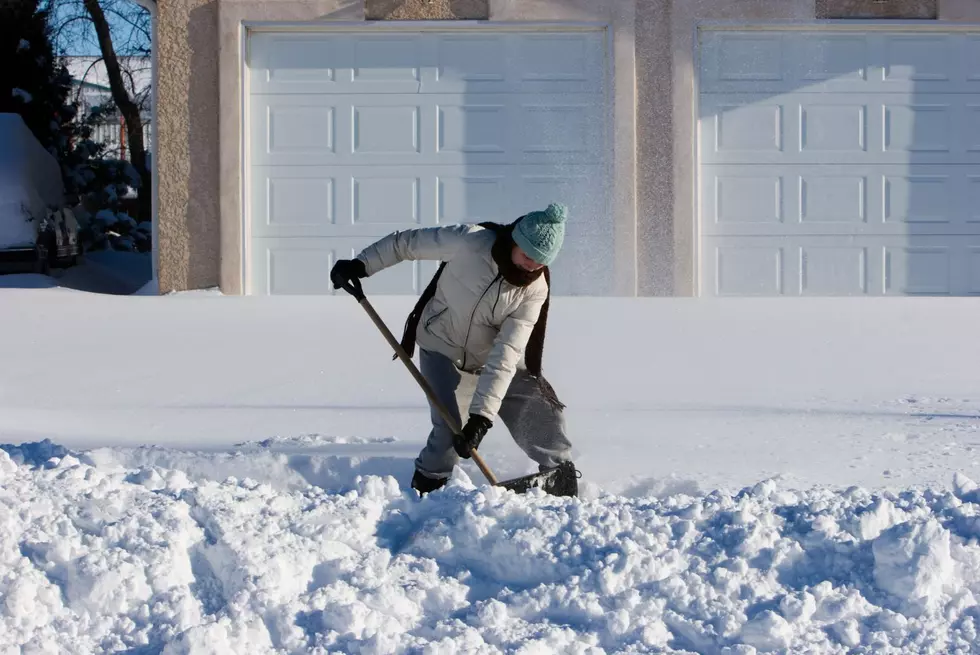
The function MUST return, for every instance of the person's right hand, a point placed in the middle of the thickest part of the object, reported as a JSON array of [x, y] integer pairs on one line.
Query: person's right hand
[[346, 270]]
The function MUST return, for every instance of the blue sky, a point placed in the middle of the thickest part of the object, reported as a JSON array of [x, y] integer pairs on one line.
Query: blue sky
[[88, 45]]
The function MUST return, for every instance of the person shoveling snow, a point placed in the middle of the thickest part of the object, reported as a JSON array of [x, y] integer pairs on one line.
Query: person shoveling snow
[[481, 319]]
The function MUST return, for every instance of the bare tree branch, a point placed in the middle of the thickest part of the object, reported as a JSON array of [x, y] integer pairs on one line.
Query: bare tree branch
[[125, 104]]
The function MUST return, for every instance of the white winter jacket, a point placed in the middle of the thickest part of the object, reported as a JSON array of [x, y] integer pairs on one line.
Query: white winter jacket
[[476, 318]]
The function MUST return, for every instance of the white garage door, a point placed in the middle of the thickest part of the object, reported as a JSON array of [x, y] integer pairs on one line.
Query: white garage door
[[354, 135], [839, 163]]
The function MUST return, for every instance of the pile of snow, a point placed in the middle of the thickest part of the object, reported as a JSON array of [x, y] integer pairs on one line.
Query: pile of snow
[[230, 475], [30, 183], [99, 559]]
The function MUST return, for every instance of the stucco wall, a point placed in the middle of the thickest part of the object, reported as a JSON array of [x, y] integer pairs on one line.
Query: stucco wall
[[187, 161], [427, 9]]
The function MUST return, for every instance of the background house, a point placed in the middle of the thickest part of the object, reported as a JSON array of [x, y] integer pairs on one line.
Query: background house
[[759, 147], [90, 85]]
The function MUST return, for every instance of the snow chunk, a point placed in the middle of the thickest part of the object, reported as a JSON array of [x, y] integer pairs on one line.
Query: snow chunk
[[966, 489], [914, 564], [23, 45], [882, 516], [768, 631]]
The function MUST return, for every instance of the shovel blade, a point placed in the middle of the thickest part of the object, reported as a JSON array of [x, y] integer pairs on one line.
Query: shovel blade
[[561, 480]]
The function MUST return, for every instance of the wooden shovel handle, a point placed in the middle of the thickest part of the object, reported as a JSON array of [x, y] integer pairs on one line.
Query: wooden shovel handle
[[450, 420]]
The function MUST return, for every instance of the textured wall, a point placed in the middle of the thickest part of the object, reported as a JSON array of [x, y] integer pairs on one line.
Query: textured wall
[[427, 9], [187, 161], [876, 9], [654, 170]]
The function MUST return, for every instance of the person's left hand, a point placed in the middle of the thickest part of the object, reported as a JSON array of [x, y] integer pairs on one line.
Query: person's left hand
[[471, 436]]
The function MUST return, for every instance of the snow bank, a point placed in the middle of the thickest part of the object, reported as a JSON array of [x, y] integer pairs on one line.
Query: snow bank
[[97, 559], [30, 182]]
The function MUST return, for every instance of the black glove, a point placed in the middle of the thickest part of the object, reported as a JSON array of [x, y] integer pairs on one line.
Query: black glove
[[473, 432], [346, 270]]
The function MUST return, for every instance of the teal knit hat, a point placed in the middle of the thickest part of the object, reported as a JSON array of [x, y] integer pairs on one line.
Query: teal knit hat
[[540, 234]]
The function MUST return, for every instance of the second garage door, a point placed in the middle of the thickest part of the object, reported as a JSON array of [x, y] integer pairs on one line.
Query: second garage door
[[839, 162]]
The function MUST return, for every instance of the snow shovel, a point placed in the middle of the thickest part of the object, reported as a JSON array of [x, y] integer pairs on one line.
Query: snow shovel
[[545, 480]]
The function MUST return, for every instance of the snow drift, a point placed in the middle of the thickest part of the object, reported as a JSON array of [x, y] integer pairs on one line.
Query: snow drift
[[148, 561]]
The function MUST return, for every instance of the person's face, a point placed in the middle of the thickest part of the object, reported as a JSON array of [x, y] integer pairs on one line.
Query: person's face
[[523, 261]]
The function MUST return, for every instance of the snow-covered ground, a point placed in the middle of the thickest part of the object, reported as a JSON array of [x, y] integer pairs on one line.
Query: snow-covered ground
[[206, 474]]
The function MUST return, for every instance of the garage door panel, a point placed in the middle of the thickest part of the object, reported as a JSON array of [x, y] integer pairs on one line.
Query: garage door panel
[[426, 63], [746, 196], [472, 197], [918, 57], [287, 202], [536, 188], [392, 202], [829, 127], [388, 59], [469, 60], [472, 129], [748, 270], [911, 270], [828, 270], [973, 198], [920, 127], [834, 59], [844, 199], [974, 270], [842, 61], [740, 125], [295, 267], [570, 130], [838, 197], [391, 130]]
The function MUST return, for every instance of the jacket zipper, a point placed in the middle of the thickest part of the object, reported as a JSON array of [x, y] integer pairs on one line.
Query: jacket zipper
[[469, 327]]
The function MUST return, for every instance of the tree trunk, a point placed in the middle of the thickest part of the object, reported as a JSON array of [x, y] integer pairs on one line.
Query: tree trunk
[[128, 108]]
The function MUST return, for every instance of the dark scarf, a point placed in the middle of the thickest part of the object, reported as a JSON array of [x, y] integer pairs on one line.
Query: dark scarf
[[513, 274]]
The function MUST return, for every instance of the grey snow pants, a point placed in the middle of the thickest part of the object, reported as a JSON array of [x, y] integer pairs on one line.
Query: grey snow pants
[[536, 426]]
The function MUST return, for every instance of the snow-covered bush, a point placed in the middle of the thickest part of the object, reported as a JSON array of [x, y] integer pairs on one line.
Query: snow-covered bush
[[101, 185], [97, 186]]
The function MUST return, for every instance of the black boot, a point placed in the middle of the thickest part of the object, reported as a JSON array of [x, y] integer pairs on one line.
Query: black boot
[[565, 480], [424, 484]]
